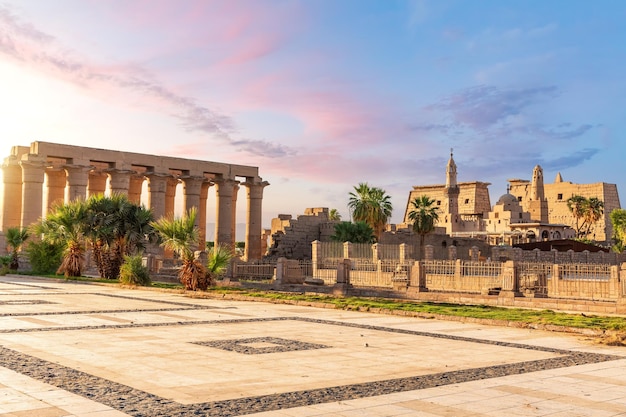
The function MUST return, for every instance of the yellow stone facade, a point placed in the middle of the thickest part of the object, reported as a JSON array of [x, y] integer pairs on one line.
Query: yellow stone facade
[[557, 193], [531, 210]]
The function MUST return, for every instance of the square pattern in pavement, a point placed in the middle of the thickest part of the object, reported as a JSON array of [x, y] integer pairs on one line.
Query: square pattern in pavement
[[158, 353]]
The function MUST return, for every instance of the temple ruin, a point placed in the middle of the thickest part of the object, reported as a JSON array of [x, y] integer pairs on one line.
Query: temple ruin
[[38, 176]]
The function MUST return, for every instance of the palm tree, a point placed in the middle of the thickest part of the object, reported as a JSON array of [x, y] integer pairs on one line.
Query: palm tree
[[217, 262], [370, 205], [594, 209], [181, 236], [334, 215], [424, 216], [618, 219], [15, 238], [576, 204], [67, 225], [359, 232], [118, 228]]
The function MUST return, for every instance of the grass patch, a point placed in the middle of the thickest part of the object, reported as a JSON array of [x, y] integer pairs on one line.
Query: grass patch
[[538, 317]]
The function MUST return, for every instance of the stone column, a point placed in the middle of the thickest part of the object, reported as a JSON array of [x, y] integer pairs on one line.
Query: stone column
[[254, 218], [11, 194], [134, 188], [233, 206], [77, 180], [204, 194], [170, 196], [97, 184], [55, 188], [223, 224], [120, 180], [192, 187], [157, 187], [33, 170]]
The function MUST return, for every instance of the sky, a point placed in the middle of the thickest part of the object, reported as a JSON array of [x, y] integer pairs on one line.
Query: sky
[[322, 95]]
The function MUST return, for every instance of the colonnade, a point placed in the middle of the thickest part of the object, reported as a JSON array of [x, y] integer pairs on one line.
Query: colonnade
[[37, 177]]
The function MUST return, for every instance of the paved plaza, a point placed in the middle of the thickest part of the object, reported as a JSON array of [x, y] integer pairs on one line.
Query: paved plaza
[[75, 349]]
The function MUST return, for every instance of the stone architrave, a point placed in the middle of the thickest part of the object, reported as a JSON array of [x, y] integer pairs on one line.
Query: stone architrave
[[224, 188], [77, 180], [33, 170], [255, 186]]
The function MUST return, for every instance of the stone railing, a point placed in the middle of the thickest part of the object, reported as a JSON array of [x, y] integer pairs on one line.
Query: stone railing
[[505, 279]]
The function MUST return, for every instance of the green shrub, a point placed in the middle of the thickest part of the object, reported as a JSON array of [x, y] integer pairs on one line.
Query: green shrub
[[45, 258], [4, 264], [133, 272]]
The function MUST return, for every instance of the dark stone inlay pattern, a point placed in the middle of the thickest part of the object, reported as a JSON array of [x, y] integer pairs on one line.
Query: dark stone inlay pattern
[[278, 345], [187, 306], [142, 404], [139, 403], [25, 302]]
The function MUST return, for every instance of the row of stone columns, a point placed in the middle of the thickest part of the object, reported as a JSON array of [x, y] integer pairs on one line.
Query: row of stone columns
[[24, 200]]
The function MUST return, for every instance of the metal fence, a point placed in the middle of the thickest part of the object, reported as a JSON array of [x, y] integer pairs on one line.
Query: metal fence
[[255, 271], [585, 271]]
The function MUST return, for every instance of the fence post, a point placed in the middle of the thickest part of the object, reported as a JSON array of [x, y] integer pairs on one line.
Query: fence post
[[343, 277], [375, 254], [316, 255], [622, 281], [555, 282], [621, 289], [279, 274], [417, 278], [510, 283], [614, 289], [347, 249], [402, 254]]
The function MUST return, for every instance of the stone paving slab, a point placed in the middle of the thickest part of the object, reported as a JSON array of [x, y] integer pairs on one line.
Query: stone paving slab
[[71, 349]]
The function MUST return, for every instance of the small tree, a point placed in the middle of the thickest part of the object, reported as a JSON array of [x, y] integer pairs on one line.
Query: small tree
[[424, 217], [370, 205], [15, 238], [181, 235], [66, 225], [334, 215], [45, 257], [359, 232], [218, 259], [618, 219], [133, 272]]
